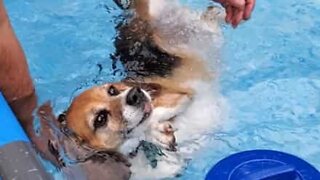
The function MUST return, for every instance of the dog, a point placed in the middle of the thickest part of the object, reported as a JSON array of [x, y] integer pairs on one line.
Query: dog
[[170, 97]]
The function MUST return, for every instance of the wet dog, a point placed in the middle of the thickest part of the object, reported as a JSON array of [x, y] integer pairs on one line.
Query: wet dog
[[169, 98]]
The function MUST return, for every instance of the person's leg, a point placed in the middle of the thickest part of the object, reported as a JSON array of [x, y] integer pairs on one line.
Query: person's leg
[[15, 81]]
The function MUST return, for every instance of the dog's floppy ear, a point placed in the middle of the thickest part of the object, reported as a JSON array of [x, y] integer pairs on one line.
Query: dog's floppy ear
[[47, 142], [62, 120]]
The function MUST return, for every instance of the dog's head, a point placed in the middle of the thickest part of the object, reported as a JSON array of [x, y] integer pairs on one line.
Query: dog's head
[[104, 115]]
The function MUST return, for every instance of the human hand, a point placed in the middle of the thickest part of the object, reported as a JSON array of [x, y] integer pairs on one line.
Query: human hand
[[237, 10]]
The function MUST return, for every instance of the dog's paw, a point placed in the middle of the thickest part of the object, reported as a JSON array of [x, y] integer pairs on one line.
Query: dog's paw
[[163, 135]]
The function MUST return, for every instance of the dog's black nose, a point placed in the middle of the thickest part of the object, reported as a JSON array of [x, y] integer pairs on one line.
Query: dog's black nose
[[135, 97]]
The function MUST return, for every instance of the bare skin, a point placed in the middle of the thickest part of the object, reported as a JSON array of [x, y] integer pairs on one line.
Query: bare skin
[[237, 10], [15, 83]]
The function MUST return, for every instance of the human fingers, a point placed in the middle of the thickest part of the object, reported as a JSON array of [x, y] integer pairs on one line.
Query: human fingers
[[249, 6], [237, 17], [229, 15], [239, 4]]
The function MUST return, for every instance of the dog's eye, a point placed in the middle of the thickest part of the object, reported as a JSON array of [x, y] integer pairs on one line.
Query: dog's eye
[[101, 119], [112, 91]]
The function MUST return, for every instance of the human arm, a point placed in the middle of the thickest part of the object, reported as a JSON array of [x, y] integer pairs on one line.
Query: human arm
[[15, 80]]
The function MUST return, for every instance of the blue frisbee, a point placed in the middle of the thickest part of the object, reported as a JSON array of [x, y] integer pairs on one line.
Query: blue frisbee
[[263, 165]]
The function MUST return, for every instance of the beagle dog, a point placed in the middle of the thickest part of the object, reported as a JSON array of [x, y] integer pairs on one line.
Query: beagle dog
[[169, 98]]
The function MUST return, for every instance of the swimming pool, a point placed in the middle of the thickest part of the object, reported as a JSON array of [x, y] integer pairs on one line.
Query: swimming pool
[[270, 70]]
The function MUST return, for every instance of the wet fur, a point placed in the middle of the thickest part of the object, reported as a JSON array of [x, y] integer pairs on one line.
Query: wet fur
[[179, 69], [172, 74]]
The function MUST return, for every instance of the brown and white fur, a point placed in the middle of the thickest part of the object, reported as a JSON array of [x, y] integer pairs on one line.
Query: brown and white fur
[[174, 110]]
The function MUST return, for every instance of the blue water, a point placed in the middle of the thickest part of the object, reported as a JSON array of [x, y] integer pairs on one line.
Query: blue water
[[270, 69]]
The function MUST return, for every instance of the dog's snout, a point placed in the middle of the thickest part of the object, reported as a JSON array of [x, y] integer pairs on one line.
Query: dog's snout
[[135, 97]]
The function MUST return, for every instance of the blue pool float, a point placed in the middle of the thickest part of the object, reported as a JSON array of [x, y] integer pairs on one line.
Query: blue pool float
[[18, 159], [263, 165]]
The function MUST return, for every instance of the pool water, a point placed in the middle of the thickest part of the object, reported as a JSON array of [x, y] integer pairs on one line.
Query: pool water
[[270, 69]]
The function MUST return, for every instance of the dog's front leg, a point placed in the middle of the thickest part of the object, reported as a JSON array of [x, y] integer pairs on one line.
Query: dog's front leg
[[169, 106], [162, 134]]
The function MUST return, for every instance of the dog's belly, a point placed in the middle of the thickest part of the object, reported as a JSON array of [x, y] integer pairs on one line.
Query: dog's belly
[[199, 120]]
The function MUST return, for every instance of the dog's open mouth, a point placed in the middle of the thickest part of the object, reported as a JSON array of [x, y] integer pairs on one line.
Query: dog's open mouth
[[147, 109]]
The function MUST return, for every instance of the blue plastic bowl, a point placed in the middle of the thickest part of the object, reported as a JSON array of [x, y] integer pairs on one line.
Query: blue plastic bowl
[[263, 165]]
